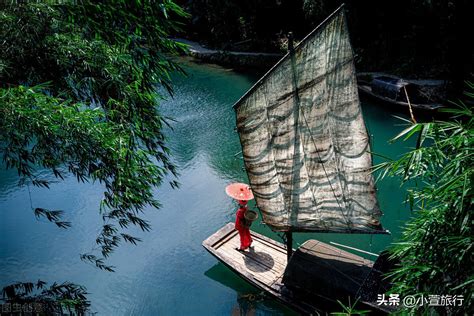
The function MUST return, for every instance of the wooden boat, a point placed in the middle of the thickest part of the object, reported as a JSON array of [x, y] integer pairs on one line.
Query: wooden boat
[[307, 156], [394, 91], [265, 266]]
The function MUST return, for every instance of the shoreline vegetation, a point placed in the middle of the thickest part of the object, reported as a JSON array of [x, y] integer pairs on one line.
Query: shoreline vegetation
[[78, 96], [259, 61], [409, 39], [256, 60]]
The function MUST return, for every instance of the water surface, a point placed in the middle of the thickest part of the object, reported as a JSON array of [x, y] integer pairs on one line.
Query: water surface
[[169, 273]]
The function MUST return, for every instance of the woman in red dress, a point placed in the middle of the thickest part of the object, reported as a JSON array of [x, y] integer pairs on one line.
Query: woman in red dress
[[242, 193], [244, 231]]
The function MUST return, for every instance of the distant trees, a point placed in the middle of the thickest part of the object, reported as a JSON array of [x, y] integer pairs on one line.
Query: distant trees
[[415, 38], [244, 24], [78, 95]]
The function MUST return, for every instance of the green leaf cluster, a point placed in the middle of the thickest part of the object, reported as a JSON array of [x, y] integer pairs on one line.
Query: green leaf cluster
[[57, 299], [436, 250], [78, 95]]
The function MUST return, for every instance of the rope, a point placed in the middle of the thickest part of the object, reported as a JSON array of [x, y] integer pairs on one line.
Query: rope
[[296, 118], [295, 83], [370, 244], [331, 90], [271, 135], [297, 100], [282, 237], [324, 168]]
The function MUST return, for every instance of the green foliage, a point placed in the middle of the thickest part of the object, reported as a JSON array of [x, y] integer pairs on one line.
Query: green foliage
[[350, 309], [58, 299], [406, 37], [436, 249], [78, 95], [245, 24]]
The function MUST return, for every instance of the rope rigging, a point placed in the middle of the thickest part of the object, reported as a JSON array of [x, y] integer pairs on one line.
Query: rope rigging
[[297, 112]]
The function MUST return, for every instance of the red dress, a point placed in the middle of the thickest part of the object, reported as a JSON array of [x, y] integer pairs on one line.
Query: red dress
[[244, 232]]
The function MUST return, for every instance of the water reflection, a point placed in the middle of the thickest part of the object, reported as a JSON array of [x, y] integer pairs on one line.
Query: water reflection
[[205, 120], [249, 300]]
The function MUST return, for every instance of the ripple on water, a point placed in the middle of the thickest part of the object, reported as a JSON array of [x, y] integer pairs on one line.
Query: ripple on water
[[168, 273]]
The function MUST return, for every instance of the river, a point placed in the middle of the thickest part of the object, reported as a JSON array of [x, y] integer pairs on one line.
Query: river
[[170, 273]]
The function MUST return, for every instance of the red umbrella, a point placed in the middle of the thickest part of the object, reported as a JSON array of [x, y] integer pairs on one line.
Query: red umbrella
[[239, 191]]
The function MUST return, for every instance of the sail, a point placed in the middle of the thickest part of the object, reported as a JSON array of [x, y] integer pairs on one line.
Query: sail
[[304, 142]]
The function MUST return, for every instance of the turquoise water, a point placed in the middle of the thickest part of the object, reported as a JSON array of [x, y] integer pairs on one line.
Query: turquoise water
[[169, 273]]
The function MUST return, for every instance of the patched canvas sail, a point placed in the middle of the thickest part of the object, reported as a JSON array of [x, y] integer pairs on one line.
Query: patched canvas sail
[[304, 141]]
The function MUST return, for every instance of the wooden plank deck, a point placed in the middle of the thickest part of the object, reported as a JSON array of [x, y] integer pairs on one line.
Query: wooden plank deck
[[263, 266]]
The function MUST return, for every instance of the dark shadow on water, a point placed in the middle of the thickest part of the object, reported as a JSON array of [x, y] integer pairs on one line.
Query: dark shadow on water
[[249, 300], [223, 275], [258, 261]]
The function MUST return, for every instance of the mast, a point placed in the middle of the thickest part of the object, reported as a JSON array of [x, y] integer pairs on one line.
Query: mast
[[296, 108]]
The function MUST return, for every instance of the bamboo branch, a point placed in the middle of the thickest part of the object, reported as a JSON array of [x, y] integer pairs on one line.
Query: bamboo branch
[[409, 105]]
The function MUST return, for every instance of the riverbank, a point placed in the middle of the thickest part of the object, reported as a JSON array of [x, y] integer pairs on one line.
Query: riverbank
[[234, 59], [431, 93]]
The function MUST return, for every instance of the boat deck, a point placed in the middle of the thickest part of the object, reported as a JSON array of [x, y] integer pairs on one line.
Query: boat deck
[[263, 266]]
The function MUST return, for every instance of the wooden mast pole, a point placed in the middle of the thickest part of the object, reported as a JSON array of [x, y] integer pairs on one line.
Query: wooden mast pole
[[289, 234]]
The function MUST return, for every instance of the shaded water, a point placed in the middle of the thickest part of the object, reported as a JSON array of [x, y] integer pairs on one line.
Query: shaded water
[[169, 273]]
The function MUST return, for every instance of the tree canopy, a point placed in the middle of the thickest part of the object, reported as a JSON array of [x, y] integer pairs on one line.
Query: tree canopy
[[406, 37], [78, 95]]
